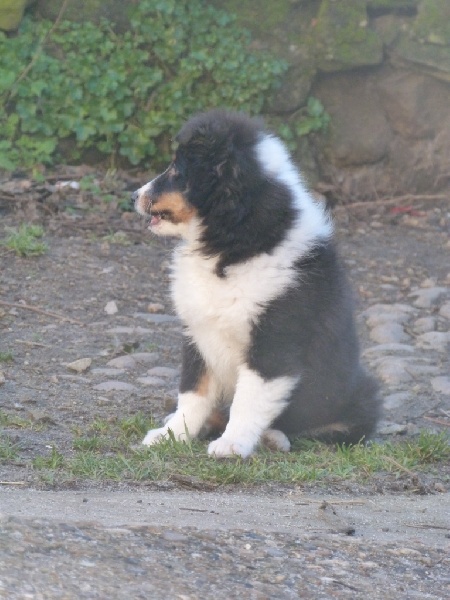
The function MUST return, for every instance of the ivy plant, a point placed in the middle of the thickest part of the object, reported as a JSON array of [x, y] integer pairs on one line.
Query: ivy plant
[[123, 94]]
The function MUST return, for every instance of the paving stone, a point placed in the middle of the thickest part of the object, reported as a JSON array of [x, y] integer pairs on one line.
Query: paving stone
[[445, 310], [386, 428], [424, 324], [156, 318], [381, 314], [145, 358], [428, 297], [394, 401], [122, 362], [441, 384], [112, 386], [163, 372], [393, 371], [390, 349], [105, 371], [130, 330], [149, 380], [434, 340], [389, 333]]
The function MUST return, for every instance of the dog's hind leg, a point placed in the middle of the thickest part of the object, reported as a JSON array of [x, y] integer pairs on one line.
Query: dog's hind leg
[[257, 403]]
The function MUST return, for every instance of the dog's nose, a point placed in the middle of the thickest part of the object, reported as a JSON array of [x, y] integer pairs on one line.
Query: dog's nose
[[134, 196]]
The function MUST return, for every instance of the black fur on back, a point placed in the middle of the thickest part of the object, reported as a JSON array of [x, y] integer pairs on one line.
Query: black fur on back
[[312, 325], [244, 212]]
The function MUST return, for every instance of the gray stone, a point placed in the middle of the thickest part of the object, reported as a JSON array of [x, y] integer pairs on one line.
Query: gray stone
[[122, 362], [386, 428], [393, 371], [156, 318], [113, 386], [353, 138], [424, 325], [445, 310], [131, 330], [389, 333], [80, 365], [378, 314], [428, 297], [110, 372], [390, 349], [441, 384], [163, 372], [145, 358], [434, 340], [149, 380], [395, 401]]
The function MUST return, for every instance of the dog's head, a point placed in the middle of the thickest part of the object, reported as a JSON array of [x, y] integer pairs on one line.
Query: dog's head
[[208, 177], [223, 189]]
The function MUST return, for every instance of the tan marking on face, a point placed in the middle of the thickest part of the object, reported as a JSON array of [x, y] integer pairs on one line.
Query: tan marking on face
[[175, 204]]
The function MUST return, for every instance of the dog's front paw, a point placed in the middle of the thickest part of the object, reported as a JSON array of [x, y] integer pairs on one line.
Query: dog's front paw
[[155, 436], [224, 447]]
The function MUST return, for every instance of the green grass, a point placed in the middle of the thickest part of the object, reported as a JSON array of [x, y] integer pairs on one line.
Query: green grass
[[6, 357], [16, 422], [25, 241], [108, 451], [9, 451], [111, 450]]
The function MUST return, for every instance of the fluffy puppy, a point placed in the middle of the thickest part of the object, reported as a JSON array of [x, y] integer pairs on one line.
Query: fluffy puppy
[[267, 311]]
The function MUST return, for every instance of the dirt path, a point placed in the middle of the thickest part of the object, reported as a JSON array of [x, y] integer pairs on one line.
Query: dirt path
[[179, 544]]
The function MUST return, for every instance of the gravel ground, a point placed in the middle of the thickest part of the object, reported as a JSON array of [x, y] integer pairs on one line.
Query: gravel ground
[[116, 297]]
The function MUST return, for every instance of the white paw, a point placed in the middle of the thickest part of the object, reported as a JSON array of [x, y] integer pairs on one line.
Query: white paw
[[223, 447], [155, 436], [275, 440]]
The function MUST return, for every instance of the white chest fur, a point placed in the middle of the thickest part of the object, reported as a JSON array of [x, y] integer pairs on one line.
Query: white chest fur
[[220, 312]]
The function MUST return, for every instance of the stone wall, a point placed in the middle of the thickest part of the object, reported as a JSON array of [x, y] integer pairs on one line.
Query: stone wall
[[381, 68]]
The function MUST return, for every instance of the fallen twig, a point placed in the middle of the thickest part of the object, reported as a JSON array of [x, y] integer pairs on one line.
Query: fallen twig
[[28, 343], [438, 421], [395, 200], [41, 311], [12, 482]]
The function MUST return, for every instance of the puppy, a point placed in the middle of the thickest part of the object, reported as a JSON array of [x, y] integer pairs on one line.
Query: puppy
[[267, 311]]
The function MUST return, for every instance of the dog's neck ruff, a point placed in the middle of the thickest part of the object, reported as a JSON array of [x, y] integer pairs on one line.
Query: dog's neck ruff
[[311, 227]]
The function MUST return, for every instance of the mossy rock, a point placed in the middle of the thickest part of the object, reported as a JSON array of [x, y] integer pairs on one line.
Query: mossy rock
[[262, 18], [432, 24], [342, 38], [87, 10], [11, 13], [391, 5], [431, 58]]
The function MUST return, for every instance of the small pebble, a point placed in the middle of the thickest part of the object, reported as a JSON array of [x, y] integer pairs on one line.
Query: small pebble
[[111, 308], [80, 365], [154, 307]]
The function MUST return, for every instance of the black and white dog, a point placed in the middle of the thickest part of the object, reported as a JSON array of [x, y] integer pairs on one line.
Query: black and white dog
[[267, 310]]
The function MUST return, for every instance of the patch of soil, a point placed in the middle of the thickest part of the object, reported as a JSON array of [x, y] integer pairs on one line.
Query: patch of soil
[[99, 254]]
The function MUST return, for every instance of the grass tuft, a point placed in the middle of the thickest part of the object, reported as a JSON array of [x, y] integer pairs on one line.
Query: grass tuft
[[111, 450], [109, 456], [26, 240]]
